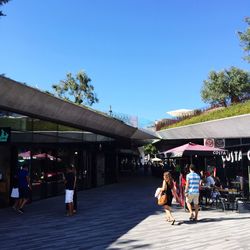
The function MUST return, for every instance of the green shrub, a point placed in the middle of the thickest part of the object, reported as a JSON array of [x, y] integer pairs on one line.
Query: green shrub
[[233, 110]]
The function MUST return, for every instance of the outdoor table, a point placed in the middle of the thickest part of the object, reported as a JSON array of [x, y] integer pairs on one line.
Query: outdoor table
[[223, 192], [230, 197], [236, 184]]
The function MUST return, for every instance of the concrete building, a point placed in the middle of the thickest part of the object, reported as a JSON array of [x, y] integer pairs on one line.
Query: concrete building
[[48, 134], [231, 133]]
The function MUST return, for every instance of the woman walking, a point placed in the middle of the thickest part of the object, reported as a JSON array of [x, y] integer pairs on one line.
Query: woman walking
[[15, 192], [168, 187]]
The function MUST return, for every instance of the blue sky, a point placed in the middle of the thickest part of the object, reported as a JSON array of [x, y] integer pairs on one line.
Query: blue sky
[[145, 57]]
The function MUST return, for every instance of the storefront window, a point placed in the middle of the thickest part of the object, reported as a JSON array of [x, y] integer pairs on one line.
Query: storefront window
[[44, 131], [48, 148], [20, 126]]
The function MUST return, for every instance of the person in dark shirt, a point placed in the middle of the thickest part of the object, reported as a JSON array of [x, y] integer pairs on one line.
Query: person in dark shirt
[[75, 192], [15, 192], [70, 182], [169, 188], [24, 187]]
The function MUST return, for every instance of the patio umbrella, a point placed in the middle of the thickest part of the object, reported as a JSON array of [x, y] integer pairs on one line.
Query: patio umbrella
[[42, 156], [156, 159], [191, 149], [181, 112], [25, 155]]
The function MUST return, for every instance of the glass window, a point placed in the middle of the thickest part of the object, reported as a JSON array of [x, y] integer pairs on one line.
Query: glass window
[[44, 131], [21, 126]]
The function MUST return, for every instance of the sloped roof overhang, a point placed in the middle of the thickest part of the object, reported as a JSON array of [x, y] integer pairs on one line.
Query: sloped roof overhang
[[20, 98]]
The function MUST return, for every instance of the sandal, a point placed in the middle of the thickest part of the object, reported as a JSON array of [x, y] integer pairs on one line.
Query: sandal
[[167, 219], [191, 217], [173, 222]]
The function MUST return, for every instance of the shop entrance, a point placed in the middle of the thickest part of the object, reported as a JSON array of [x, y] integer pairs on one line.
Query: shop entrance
[[5, 163]]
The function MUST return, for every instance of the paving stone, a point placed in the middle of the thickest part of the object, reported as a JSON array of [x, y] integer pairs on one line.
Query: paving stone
[[120, 216]]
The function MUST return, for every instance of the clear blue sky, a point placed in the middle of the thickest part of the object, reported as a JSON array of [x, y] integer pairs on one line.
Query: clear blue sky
[[145, 57]]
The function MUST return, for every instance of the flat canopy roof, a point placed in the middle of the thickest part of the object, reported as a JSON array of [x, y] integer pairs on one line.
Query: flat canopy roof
[[231, 127], [20, 98]]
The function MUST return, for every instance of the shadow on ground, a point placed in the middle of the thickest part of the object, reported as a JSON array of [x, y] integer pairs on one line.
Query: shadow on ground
[[205, 220], [104, 215]]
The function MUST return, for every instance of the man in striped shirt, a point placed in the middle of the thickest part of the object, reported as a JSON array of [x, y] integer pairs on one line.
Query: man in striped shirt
[[192, 192]]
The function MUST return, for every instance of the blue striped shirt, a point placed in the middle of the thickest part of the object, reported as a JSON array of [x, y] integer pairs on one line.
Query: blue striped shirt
[[194, 183]]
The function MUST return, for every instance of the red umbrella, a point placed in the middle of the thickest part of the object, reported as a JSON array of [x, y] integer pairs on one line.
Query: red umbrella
[[190, 149], [40, 156], [25, 155], [45, 156]]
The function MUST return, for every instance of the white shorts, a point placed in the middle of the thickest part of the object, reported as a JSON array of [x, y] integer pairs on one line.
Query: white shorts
[[69, 196], [15, 193]]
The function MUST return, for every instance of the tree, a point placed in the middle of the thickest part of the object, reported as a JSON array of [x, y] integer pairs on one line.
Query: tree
[[245, 40], [150, 149], [2, 2], [226, 87], [79, 87]]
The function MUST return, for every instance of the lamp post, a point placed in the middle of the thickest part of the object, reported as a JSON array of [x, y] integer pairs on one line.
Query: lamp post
[[110, 110]]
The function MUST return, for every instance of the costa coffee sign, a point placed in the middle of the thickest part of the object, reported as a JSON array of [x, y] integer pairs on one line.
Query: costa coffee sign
[[236, 155]]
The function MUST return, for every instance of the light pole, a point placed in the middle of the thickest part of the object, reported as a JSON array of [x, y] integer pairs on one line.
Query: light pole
[[110, 110]]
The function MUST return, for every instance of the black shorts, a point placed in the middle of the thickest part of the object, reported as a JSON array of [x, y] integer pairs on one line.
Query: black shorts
[[24, 192]]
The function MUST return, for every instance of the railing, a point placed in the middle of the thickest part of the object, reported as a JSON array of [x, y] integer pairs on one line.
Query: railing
[[196, 112], [128, 119]]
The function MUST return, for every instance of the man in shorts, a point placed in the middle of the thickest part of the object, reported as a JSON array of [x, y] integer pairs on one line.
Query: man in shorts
[[70, 184], [192, 192]]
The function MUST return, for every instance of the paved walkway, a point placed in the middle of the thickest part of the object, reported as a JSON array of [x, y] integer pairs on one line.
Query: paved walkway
[[119, 216]]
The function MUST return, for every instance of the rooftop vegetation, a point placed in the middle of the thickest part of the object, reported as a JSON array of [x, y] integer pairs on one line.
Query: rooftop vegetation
[[233, 110]]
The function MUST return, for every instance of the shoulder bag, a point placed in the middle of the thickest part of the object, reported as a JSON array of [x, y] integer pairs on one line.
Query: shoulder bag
[[162, 200]]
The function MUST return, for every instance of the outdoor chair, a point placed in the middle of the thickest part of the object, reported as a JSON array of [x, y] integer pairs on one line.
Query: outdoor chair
[[243, 205], [229, 202], [206, 198], [215, 198]]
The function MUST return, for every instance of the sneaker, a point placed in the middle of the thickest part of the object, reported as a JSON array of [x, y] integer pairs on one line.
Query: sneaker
[[20, 210]]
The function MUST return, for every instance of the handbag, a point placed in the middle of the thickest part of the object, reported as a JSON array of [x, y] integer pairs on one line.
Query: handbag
[[162, 199], [14, 193]]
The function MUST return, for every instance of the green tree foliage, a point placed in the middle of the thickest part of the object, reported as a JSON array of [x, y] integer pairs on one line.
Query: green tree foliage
[[78, 87], [226, 87], [150, 149], [245, 40], [2, 2]]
